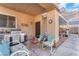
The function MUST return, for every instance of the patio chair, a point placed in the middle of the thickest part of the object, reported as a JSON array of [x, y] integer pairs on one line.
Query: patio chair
[[18, 36], [15, 37], [17, 50], [41, 36], [20, 53], [41, 39], [4, 48], [49, 42]]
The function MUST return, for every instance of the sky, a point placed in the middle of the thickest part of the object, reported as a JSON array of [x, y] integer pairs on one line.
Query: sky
[[70, 6]]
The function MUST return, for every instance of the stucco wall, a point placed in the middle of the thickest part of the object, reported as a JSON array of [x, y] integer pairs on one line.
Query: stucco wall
[[53, 28], [21, 18]]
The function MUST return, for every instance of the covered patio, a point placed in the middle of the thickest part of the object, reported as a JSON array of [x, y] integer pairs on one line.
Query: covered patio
[[26, 23], [36, 29]]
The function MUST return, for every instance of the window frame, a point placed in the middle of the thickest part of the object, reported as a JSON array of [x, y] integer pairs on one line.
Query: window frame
[[8, 21]]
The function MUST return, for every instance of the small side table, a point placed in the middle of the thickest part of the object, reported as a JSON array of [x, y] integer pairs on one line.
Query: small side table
[[34, 40], [34, 43]]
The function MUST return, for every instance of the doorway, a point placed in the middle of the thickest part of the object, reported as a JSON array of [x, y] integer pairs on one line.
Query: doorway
[[37, 29]]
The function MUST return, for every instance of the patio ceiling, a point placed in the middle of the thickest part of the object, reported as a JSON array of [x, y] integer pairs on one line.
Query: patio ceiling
[[30, 8]]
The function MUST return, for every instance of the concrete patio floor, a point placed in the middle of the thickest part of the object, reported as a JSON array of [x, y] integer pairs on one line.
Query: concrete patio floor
[[69, 48]]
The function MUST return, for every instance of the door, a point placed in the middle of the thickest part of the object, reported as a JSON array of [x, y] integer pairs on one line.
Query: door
[[37, 29]]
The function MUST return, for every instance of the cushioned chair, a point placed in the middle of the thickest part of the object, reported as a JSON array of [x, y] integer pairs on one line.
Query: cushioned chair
[[14, 39], [49, 42], [41, 39], [4, 46], [15, 36], [20, 53], [18, 37], [41, 36], [4, 49], [19, 50]]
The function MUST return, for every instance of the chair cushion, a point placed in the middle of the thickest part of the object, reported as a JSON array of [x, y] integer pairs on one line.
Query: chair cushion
[[51, 38], [41, 37], [5, 49]]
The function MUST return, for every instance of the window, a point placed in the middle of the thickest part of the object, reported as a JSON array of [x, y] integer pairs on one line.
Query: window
[[7, 21], [11, 23], [3, 20]]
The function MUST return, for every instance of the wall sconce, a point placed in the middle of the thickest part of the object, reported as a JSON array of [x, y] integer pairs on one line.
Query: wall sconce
[[44, 16], [31, 22]]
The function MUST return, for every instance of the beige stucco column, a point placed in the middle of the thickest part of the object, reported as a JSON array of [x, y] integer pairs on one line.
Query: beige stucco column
[[56, 19], [50, 29], [53, 28]]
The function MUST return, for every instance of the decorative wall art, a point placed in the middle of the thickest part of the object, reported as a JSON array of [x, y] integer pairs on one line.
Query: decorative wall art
[[26, 25], [31, 23], [50, 21]]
